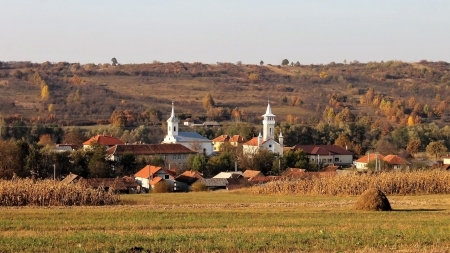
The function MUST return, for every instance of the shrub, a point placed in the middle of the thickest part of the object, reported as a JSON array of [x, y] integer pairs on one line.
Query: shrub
[[161, 187], [198, 187], [373, 200]]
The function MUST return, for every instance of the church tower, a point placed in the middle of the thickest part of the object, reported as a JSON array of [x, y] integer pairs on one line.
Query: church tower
[[172, 127], [268, 124]]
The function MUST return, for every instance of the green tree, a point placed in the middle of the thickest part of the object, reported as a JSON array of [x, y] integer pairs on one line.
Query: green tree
[[436, 148], [114, 61], [98, 166], [261, 63], [285, 62]]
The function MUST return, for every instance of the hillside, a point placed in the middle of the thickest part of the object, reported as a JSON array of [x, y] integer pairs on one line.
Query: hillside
[[89, 94]]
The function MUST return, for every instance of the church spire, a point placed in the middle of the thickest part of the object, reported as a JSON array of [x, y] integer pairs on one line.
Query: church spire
[[268, 123]]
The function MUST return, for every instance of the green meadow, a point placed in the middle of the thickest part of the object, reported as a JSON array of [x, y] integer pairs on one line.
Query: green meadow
[[230, 222]]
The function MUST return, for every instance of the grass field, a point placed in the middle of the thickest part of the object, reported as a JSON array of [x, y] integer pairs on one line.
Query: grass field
[[230, 222]]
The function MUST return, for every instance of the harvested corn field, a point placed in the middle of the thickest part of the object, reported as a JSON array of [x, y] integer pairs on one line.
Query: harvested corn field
[[391, 183], [30, 192]]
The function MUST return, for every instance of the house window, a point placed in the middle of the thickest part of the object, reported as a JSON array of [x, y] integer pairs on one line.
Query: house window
[[166, 176], [179, 156], [174, 157], [336, 159], [165, 157], [330, 160], [312, 159]]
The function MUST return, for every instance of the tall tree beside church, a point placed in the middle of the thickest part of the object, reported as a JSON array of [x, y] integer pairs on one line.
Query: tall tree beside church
[[208, 101]]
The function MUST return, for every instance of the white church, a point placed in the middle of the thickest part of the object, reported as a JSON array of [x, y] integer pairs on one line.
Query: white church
[[267, 139], [191, 140]]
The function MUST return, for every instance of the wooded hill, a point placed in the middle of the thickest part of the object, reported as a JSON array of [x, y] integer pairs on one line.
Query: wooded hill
[[73, 94]]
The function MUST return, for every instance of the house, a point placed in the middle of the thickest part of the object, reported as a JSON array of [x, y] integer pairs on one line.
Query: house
[[361, 163], [293, 173], [233, 174], [224, 183], [446, 159], [60, 148], [396, 162], [191, 140], [249, 174], [104, 140], [121, 185], [186, 179], [326, 154], [393, 161], [235, 140], [267, 139], [150, 175], [71, 178], [209, 124], [173, 154]]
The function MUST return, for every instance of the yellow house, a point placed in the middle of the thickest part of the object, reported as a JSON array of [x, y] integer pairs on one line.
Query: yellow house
[[234, 140]]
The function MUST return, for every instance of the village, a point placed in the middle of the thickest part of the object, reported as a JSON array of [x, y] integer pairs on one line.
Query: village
[[177, 146]]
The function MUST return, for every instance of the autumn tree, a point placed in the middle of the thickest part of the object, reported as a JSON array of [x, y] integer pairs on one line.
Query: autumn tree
[[45, 93], [345, 116], [343, 141], [413, 146], [208, 101], [253, 77], [118, 118], [436, 148], [74, 136]]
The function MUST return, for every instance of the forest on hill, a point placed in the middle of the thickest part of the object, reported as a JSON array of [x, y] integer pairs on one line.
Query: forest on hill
[[364, 106]]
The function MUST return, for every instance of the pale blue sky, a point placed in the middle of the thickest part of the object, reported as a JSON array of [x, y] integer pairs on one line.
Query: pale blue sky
[[135, 31]]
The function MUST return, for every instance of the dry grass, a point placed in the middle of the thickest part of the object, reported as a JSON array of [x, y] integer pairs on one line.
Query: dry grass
[[30, 192], [391, 183]]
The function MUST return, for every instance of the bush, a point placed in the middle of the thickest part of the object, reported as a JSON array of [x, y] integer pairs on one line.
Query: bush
[[162, 187], [373, 200], [198, 187]]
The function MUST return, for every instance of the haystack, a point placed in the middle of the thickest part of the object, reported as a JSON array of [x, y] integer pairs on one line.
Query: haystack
[[373, 200]]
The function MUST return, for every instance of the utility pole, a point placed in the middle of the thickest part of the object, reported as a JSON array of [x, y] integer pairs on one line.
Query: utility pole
[[54, 172]]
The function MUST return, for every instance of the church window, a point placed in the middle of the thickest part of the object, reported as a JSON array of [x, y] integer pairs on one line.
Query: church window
[[270, 131], [174, 128]]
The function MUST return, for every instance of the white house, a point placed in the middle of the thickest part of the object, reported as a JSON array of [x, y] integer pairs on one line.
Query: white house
[[326, 154], [191, 140], [150, 175], [267, 139]]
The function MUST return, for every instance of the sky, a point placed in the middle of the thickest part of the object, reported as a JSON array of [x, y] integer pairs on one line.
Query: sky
[[142, 31]]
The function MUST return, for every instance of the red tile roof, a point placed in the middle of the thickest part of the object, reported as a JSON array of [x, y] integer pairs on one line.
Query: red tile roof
[[237, 138], [254, 142], [149, 149], [192, 173], [251, 173], [370, 157], [151, 170], [155, 180], [221, 138], [105, 140], [395, 160], [322, 149]]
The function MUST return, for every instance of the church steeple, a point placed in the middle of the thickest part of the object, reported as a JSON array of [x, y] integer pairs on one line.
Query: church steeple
[[268, 123], [172, 125]]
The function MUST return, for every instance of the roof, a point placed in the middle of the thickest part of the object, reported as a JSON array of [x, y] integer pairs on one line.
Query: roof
[[221, 138], [446, 156], [149, 149], [105, 140], [211, 123], [172, 116], [190, 137], [151, 170], [331, 168], [192, 173], [263, 179], [251, 173], [369, 157], [215, 182], [120, 184], [156, 180], [70, 178], [322, 149], [186, 179], [395, 160], [268, 111], [254, 142], [237, 138], [233, 174], [289, 172]]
